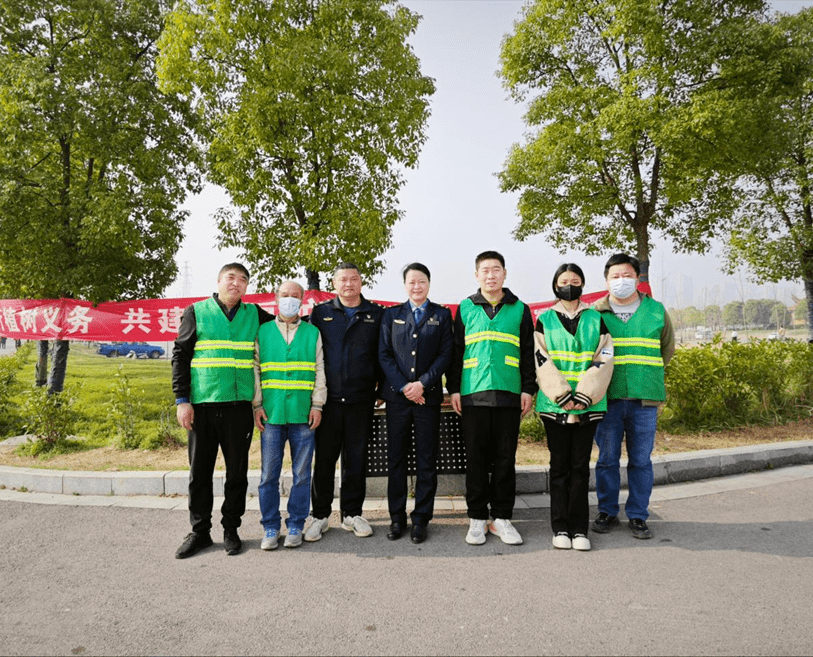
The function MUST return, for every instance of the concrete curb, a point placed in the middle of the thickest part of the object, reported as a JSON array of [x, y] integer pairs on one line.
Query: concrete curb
[[531, 479]]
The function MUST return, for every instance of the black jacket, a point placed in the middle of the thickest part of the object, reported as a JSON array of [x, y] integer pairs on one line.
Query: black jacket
[[527, 370], [351, 350], [408, 353]]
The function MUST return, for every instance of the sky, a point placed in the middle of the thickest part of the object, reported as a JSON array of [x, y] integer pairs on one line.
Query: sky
[[452, 205]]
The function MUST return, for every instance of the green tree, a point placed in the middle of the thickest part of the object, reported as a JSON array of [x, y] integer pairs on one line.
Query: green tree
[[800, 312], [94, 159], [620, 148], [692, 317], [713, 315], [733, 314], [772, 230], [311, 110], [757, 312]]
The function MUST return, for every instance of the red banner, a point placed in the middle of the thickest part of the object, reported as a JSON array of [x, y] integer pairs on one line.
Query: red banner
[[139, 321]]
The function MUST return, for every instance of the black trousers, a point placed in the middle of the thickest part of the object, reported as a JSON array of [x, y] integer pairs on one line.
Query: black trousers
[[345, 431], [570, 446], [401, 418], [490, 434], [230, 427]]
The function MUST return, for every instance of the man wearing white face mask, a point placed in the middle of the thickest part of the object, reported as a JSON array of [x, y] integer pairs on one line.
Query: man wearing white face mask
[[289, 393], [644, 342]]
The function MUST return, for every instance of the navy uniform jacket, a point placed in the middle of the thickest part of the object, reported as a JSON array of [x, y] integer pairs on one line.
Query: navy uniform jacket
[[408, 353], [351, 350]]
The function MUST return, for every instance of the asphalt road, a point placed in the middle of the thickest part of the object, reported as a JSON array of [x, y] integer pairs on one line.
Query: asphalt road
[[729, 573]]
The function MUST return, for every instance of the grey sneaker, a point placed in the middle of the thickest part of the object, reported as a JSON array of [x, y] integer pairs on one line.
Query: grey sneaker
[[315, 530], [639, 529], [604, 522], [270, 540], [293, 539], [358, 525]]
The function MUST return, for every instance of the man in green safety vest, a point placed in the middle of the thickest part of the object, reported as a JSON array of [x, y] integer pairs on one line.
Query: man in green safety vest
[[213, 382], [289, 393], [644, 341], [492, 381]]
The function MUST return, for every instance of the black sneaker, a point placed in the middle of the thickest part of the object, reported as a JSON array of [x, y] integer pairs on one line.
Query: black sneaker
[[192, 544], [232, 542], [639, 529], [603, 523]]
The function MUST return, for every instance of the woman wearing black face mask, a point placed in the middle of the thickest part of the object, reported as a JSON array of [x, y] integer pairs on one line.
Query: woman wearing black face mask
[[574, 365]]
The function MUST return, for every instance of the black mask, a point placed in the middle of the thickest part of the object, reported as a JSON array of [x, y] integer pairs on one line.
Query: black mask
[[568, 292]]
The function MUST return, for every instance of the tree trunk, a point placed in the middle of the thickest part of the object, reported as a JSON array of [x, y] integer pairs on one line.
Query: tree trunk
[[312, 278], [59, 363], [41, 368], [809, 296]]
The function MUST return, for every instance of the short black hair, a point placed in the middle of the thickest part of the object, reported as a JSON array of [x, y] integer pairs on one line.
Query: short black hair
[[417, 266], [568, 266], [234, 266], [488, 255], [346, 265], [622, 259]]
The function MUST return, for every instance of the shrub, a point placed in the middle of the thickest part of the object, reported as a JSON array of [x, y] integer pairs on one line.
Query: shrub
[[50, 418], [531, 428], [10, 368], [125, 408]]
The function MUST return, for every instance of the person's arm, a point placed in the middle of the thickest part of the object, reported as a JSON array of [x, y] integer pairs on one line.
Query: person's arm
[[319, 394], [182, 353], [527, 371], [454, 374], [667, 339], [260, 416], [386, 355], [594, 382], [434, 374]]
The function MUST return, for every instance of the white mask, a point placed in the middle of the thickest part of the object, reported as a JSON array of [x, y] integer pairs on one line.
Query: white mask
[[289, 306], [623, 288]]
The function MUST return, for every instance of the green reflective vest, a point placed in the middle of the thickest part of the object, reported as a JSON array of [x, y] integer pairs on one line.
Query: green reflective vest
[[491, 357], [223, 362], [287, 373], [638, 370], [571, 354]]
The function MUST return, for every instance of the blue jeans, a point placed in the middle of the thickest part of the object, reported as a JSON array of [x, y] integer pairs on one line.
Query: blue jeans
[[626, 416], [273, 447]]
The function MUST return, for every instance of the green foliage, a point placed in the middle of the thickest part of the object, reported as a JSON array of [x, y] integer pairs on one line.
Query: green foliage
[[311, 110], [51, 419], [167, 436], [723, 385], [621, 146], [531, 428], [10, 368], [94, 160], [124, 410]]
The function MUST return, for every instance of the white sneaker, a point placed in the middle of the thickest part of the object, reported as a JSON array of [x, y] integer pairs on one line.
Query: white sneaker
[[270, 540], [562, 541], [317, 527], [358, 525], [293, 539], [505, 530], [581, 542], [477, 532]]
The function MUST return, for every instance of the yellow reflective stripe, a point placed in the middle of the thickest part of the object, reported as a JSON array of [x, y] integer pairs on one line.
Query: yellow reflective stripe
[[203, 345], [469, 363], [287, 367], [573, 356], [633, 359], [513, 362], [222, 362], [287, 385], [496, 336], [649, 343], [571, 375]]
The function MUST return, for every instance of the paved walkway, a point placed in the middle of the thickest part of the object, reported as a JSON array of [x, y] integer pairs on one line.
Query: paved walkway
[[728, 571]]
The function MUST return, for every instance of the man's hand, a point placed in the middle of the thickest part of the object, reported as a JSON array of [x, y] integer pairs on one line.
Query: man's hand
[[457, 406], [414, 392], [314, 419], [186, 415], [260, 418], [526, 401]]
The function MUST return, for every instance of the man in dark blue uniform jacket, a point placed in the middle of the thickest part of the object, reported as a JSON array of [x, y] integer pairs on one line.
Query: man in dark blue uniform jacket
[[349, 325], [415, 350]]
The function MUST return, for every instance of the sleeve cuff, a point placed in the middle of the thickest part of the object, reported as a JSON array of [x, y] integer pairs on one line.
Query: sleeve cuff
[[181, 400]]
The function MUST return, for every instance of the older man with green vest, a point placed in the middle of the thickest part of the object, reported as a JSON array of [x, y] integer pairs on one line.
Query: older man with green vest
[[289, 394], [644, 342], [213, 382], [492, 381]]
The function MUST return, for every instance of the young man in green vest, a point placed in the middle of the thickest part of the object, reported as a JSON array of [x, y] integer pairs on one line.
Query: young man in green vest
[[644, 342], [213, 382], [289, 392], [492, 381]]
